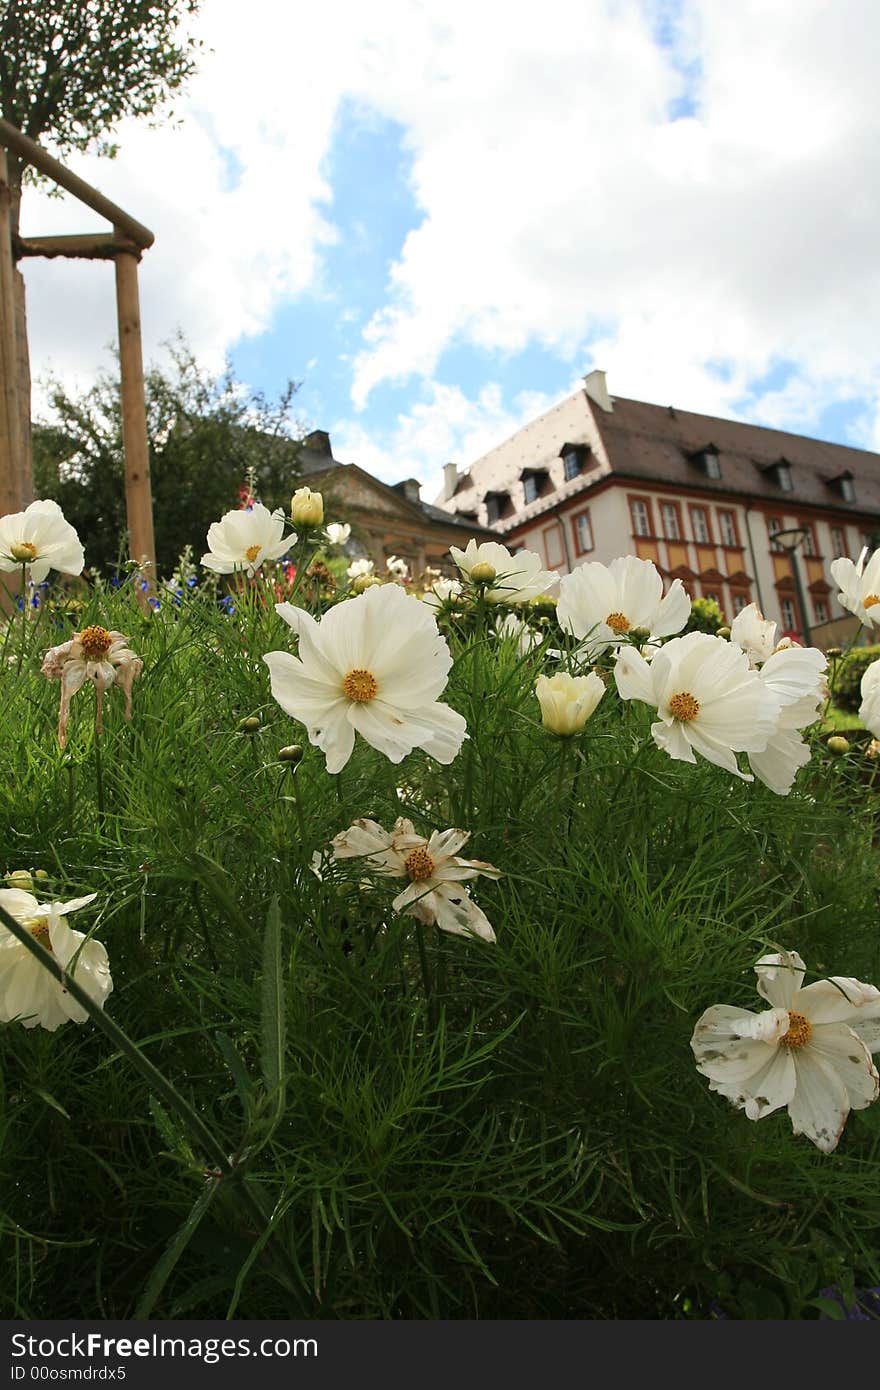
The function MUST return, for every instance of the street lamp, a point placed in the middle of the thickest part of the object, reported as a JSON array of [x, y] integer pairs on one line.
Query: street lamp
[[791, 542]]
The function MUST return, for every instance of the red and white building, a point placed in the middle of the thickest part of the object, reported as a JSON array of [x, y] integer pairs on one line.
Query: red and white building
[[599, 476]]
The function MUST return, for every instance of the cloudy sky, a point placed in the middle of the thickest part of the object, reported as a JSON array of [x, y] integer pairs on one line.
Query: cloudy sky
[[437, 218]]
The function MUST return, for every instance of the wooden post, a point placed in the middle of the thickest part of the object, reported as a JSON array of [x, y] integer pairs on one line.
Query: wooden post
[[10, 425], [138, 495]]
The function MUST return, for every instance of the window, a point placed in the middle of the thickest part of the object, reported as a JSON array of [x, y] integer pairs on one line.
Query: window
[[700, 525], [782, 473], [553, 547], [712, 466], [727, 524], [820, 608], [531, 487], [583, 531], [572, 461], [739, 602], [713, 596], [789, 616], [641, 517], [773, 525], [671, 528], [838, 542], [809, 545], [847, 489], [496, 502]]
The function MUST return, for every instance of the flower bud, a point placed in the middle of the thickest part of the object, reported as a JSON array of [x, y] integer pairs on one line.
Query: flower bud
[[838, 745], [365, 581], [833, 653], [483, 573], [19, 878], [41, 875], [640, 634], [568, 701], [723, 632], [306, 507], [291, 754], [24, 552], [250, 725]]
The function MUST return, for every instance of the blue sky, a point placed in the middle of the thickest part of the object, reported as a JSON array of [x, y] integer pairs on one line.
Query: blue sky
[[438, 222]]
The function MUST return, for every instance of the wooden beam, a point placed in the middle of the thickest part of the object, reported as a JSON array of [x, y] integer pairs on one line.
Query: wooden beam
[[138, 495], [90, 246], [28, 150]]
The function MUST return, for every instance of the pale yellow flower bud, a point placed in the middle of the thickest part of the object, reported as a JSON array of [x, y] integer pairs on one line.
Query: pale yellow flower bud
[[20, 878], [483, 572], [568, 701], [365, 581], [838, 745], [306, 507]]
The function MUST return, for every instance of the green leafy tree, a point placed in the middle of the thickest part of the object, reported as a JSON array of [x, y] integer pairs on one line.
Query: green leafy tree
[[207, 435]]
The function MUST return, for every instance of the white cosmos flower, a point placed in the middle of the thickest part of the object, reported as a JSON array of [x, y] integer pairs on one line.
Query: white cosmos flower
[[28, 993], [338, 532], [516, 628], [95, 654], [859, 586], [754, 634], [374, 665], [603, 603], [810, 1052], [508, 578], [245, 539], [359, 569], [434, 870], [440, 591], [568, 701], [795, 675], [42, 539], [869, 709], [397, 566], [709, 699]]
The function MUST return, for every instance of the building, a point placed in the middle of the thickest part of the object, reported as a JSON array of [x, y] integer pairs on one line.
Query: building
[[599, 476], [386, 519]]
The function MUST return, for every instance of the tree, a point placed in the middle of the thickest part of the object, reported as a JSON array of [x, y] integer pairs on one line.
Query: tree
[[207, 434]]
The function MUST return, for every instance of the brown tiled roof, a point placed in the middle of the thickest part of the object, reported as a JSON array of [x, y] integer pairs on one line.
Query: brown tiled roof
[[653, 442]]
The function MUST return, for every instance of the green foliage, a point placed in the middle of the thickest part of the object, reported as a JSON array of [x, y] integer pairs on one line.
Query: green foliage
[[71, 70], [530, 1138], [848, 675], [706, 616], [205, 434]]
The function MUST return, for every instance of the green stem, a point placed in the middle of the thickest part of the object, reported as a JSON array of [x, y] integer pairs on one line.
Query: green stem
[[427, 979], [99, 781], [299, 810]]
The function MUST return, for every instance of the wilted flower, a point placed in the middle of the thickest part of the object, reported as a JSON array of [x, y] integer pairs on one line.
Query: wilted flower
[[28, 993], [306, 507], [374, 664], [19, 878], [95, 654], [811, 1051], [507, 578], [244, 540], [338, 532], [359, 569], [432, 866], [708, 698], [605, 603], [859, 586], [42, 539], [568, 701]]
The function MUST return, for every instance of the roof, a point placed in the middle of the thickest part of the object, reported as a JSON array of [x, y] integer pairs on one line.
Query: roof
[[654, 442]]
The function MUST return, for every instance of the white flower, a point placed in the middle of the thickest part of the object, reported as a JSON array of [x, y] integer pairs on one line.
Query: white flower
[[754, 634], [246, 539], [859, 586], [810, 1052], [396, 566], [374, 665], [568, 701], [869, 709], [28, 993], [360, 569], [708, 698], [432, 866], [440, 591], [603, 603], [508, 578], [516, 628], [95, 654], [40, 538], [795, 676], [306, 507], [338, 532]]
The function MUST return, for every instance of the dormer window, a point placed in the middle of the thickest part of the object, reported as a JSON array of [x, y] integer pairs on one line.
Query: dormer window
[[844, 485], [533, 481], [573, 456], [706, 459], [779, 473], [497, 504]]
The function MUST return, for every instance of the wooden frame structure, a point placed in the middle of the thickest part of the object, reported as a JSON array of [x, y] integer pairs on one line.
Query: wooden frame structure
[[128, 240]]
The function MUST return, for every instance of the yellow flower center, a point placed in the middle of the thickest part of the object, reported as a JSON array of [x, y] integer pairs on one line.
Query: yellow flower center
[[39, 927], [24, 552], [419, 864], [800, 1030], [684, 706], [870, 599], [618, 622], [360, 685], [251, 553], [95, 642]]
